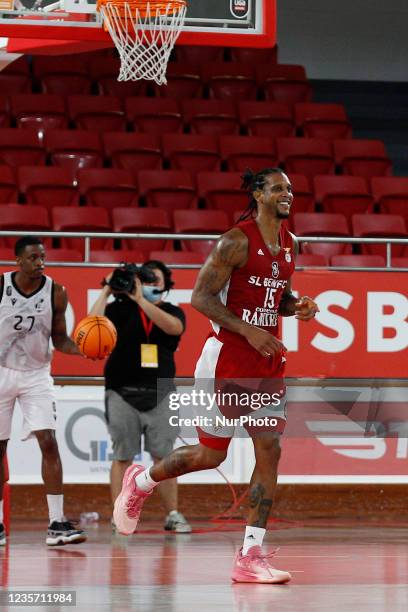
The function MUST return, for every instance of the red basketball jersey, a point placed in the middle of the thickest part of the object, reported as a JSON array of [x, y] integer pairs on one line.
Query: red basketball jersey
[[253, 292]]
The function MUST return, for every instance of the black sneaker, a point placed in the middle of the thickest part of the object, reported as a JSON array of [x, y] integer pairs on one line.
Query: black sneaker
[[2, 535], [64, 533]]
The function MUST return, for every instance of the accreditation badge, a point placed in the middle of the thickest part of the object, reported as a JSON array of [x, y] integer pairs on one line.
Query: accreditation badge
[[149, 355]]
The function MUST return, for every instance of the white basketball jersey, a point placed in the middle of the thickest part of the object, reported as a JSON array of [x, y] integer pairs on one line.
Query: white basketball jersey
[[25, 325]]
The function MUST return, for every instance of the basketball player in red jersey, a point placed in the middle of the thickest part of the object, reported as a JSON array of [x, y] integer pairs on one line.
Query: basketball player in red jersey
[[243, 288]]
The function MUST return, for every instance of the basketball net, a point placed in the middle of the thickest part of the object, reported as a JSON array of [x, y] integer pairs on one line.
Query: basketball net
[[144, 34]]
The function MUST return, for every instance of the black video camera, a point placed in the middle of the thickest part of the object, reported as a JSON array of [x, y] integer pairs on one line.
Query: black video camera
[[123, 278]]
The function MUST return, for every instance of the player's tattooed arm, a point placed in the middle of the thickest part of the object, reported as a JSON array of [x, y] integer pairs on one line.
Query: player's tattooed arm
[[230, 252], [60, 339]]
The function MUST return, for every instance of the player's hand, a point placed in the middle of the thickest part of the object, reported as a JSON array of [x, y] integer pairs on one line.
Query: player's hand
[[263, 341], [306, 308], [137, 293]]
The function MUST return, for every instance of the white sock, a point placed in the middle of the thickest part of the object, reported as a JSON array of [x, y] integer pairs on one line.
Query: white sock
[[145, 482], [1, 511], [55, 507], [253, 537]]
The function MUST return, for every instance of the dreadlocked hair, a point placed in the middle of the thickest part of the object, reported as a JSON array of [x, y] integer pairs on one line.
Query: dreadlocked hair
[[251, 182]]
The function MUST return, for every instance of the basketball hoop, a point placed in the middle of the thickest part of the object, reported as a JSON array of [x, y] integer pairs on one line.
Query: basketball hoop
[[144, 33]]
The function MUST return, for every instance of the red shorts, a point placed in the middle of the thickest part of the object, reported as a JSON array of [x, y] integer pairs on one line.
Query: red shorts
[[248, 388]]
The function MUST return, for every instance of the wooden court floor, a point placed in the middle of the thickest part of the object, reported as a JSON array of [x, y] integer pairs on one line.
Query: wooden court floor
[[345, 567]]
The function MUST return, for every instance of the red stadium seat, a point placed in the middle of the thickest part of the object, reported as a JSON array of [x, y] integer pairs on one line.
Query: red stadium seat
[[391, 193], [167, 189], [191, 152], [48, 186], [4, 112], [183, 81], [307, 260], [254, 55], [82, 219], [154, 115], [230, 81], [15, 77], [103, 113], [74, 149], [380, 226], [63, 75], [105, 70], [133, 151], [123, 255], [358, 261], [63, 255], [199, 55], [177, 257], [343, 194], [8, 185], [303, 200], [322, 224], [399, 262], [107, 187], [20, 148], [272, 119], [222, 191], [7, 254], [284, 83], [142, 220], [309, 156], [322, 120], [39, 112], [366, 158], [241, 152], [214, 117], [25, 218], [200, 222]]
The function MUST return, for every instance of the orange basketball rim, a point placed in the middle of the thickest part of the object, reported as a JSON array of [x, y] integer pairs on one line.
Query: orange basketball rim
[[149, 7], [144, 33]]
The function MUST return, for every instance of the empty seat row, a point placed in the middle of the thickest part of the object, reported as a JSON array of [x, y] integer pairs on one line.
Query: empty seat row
[[171, 189], [131, 220], [112, 113], [309, 156], [222, 80]]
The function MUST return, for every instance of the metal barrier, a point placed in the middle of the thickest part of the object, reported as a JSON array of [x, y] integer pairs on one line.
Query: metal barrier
[[167, 236]]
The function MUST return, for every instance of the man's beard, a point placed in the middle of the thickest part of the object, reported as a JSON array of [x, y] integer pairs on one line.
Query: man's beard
[[282, 215]]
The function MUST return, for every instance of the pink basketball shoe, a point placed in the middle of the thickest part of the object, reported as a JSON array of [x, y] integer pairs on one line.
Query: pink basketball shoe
[[255, 567], [128, 504]]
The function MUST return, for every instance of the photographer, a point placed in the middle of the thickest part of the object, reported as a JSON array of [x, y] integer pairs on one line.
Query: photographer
[[149, 331]]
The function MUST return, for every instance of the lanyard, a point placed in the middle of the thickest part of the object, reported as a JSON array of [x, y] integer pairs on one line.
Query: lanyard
[[147, 323]]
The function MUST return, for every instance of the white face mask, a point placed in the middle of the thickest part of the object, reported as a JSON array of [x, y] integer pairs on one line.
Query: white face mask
[[150, 293]]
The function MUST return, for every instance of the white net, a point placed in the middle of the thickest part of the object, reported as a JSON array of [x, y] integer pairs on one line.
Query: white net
[[143, 37]]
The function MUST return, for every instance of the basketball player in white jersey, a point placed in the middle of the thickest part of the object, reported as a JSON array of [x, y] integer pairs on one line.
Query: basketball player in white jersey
[[32, 312]]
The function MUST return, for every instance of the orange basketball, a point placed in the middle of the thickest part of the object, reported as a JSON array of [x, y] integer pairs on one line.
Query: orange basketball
[[95, 336]]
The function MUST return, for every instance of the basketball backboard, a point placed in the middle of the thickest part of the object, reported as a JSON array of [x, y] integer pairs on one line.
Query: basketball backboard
[[241, 23]]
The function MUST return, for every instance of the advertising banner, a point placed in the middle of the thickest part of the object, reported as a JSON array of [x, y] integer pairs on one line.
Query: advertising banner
[[334, 434], [361, 330]]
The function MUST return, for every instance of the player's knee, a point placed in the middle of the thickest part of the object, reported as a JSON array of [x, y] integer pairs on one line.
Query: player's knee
[[210, 458], [268, 450], [48, 442]]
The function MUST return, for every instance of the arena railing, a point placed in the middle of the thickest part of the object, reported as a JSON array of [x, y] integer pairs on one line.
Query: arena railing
[[88, 236]]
